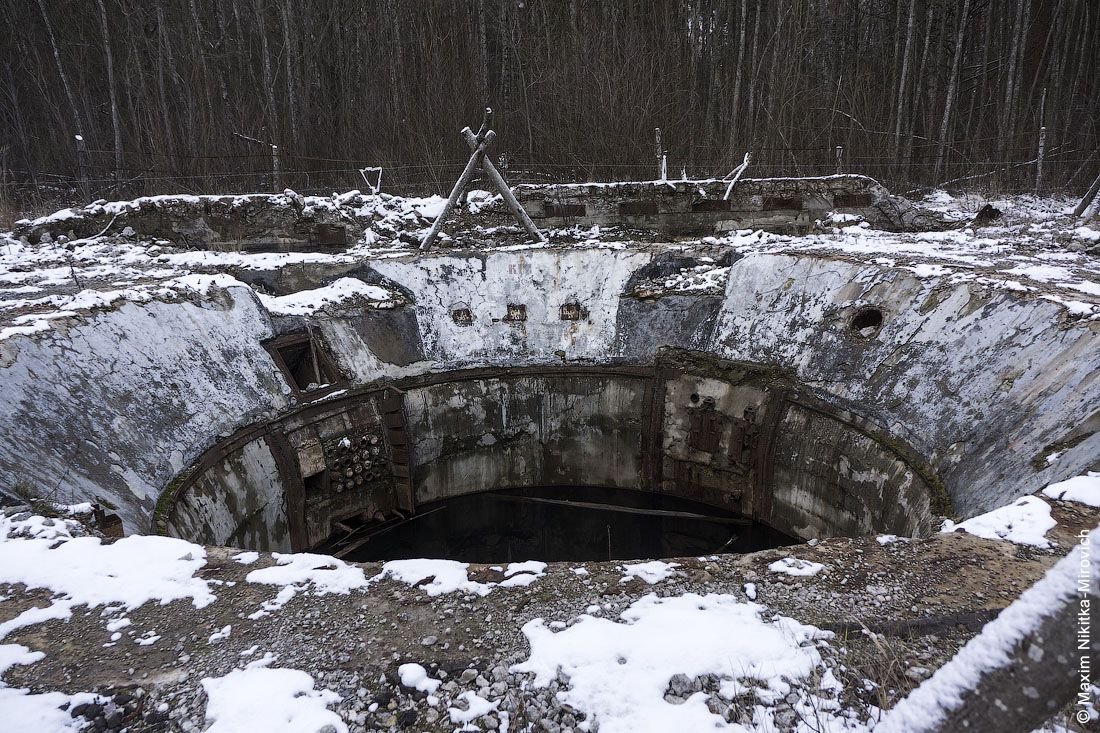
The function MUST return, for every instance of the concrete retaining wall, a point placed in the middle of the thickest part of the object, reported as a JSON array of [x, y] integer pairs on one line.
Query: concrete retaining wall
[[982, 385], [783, 205]]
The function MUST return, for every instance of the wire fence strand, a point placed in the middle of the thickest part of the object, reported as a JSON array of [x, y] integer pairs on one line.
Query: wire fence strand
[[161, 172]]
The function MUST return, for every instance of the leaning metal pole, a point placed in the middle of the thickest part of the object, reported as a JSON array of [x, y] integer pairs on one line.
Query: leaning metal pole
[[506, 193], [478, 143], [460, 186]]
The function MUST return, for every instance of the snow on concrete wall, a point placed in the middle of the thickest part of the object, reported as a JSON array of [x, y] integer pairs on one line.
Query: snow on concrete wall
[[979, 381], [114, 404], [541, 281], [246, 485]]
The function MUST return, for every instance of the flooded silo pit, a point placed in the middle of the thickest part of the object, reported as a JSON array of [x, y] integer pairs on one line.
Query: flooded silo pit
[[558, 524], [757, 406]]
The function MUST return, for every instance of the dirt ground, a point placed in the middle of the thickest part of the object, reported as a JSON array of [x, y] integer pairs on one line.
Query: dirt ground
[[899, 611]]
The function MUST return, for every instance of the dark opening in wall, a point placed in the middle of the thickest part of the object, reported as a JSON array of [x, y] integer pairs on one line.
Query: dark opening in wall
[[638, 208], [304, 362], [572, 312], [315, 484], [705, 428], [711, 205], [777, 203], [462, 316], [330, 235], [564, 210], [565, 524], [867, 322], [852, 200], [516, 312]]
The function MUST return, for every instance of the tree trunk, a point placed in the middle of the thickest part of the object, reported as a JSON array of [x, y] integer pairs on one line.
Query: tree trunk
[[483, 55], [952, 87], [1017, 102], [751, 117], [61, 70], [269, 76], [111, 86], [165, 141], [1007, 130], [907, 155], [290, 64], [902, 81], [735, 108]]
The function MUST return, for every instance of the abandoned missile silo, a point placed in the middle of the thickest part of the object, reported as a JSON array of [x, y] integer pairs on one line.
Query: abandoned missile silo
[[670, 373]]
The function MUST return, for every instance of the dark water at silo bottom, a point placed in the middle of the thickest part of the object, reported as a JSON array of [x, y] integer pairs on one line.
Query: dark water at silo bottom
[[566, 524]]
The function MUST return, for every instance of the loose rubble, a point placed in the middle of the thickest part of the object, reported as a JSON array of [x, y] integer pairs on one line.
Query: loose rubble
[[372, 651]]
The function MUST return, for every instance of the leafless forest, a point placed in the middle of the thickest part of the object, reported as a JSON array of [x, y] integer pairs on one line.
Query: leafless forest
[[916, 92]]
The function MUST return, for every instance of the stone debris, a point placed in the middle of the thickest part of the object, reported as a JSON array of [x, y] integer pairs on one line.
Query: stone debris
[[930, 595]]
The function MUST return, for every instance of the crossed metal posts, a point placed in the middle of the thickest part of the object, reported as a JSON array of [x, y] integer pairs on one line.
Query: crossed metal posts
[[478, 143]]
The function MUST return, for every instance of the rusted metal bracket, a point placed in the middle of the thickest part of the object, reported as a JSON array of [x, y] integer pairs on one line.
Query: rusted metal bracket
[[478, 143]]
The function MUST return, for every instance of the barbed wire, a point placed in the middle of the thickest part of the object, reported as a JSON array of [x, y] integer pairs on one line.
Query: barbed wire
[[514, 166], [907, 171]]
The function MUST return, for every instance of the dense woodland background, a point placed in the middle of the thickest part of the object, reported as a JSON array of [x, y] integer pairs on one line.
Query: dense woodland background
[[917, 92]]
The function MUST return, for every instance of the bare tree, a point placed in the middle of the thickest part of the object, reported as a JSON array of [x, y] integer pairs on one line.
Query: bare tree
[[915, 90]]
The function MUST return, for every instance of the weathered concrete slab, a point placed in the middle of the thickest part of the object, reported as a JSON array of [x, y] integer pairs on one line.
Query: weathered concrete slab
[[783, 205]]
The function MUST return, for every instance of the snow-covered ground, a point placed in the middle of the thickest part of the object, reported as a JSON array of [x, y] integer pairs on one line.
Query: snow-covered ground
[[675, 655], [647, 646], [1035, 249], [1024, 522]]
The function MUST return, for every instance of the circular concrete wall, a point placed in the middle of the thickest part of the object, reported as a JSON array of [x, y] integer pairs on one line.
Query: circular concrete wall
[[562, 361]]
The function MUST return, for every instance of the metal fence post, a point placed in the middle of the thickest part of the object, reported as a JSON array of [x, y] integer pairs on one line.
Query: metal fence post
[[82, 166], [1040, 156], [839, 158]]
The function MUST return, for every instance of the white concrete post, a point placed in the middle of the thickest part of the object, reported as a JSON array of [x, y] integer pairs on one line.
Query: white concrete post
[[660, 153], [276, 179]]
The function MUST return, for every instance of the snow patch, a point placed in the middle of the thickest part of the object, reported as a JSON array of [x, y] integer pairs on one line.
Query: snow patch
[[796, 567], [271, 700], [651, 572], [305, 302], [618, 671], [523, 573], [446, 576], [1024, 522], [305, 572], [84, 572], [476, 707], [416, 677], [1081, 489], [222, 635], [40, 713]]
